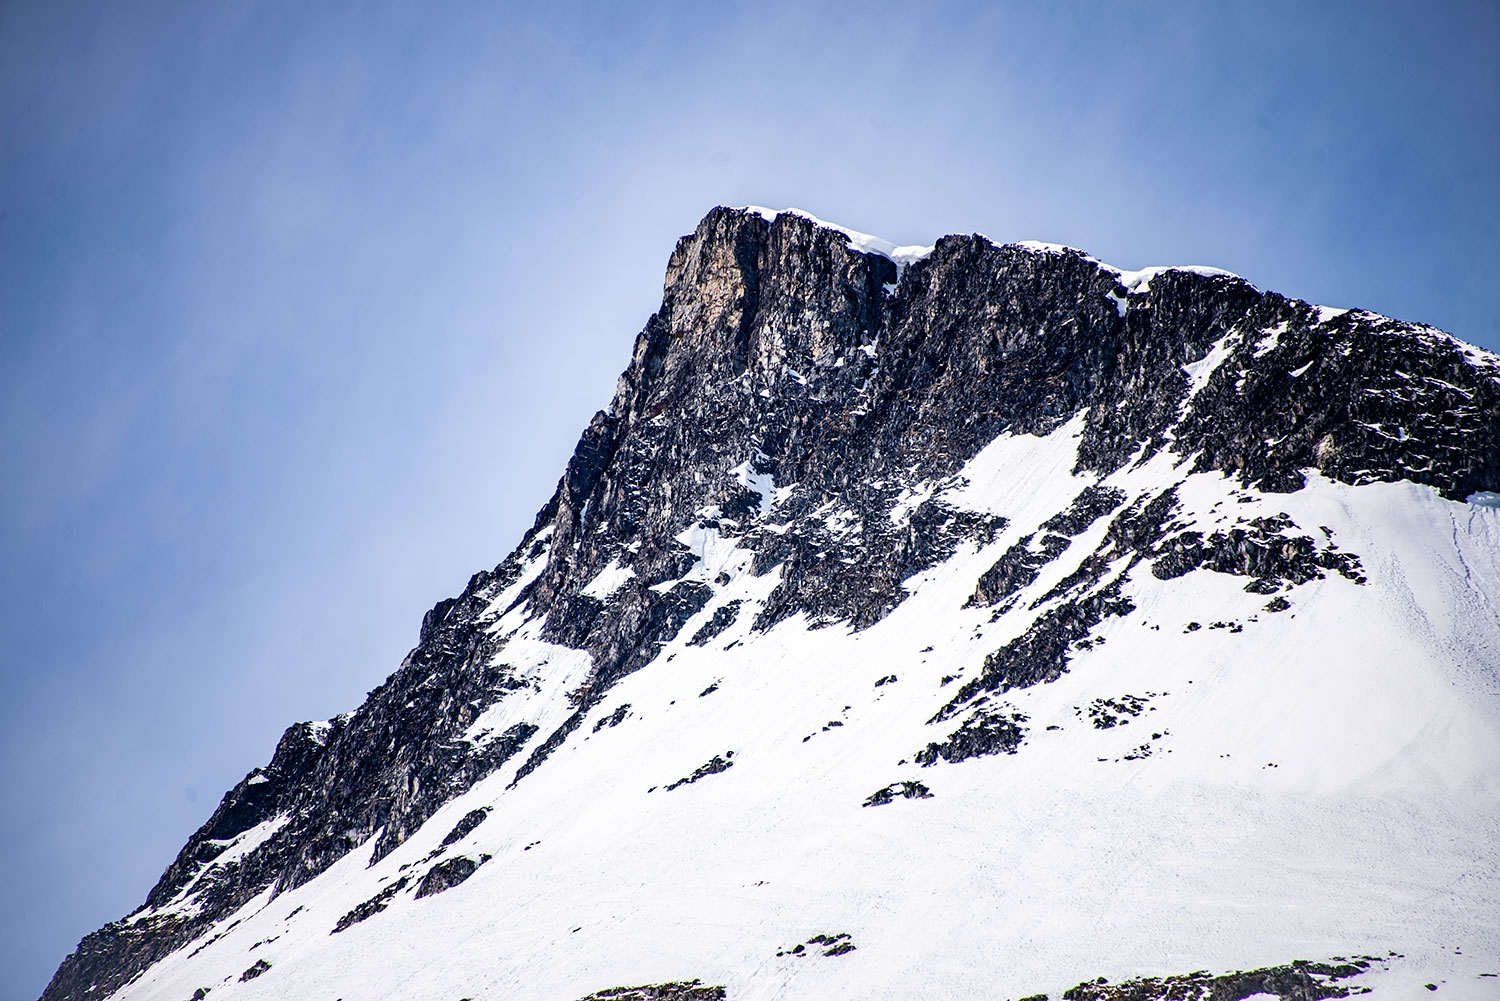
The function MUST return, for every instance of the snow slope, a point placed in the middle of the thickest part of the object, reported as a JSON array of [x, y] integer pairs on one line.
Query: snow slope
[[1210, 785]]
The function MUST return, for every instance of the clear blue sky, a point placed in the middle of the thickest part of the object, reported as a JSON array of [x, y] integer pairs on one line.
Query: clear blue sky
[[303, 306]]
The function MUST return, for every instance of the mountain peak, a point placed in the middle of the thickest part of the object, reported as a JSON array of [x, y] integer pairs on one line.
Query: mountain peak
[[885, 557]]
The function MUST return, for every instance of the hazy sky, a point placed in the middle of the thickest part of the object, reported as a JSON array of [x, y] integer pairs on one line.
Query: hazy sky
[[302, 307]]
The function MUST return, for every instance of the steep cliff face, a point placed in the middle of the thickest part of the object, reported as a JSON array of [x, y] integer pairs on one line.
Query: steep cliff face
[[799, 440]]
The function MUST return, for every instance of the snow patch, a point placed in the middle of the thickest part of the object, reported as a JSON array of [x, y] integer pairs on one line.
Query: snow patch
[[1199, 372], [1269, 339], [1135, 282], [244, 843], [762, 484], [909, 500], [1037, 246], [608, 580], [1139, 282], [530, 571]]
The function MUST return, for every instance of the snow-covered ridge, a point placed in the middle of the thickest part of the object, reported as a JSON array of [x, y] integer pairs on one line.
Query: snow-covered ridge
[[1138, 282], [863, 242]]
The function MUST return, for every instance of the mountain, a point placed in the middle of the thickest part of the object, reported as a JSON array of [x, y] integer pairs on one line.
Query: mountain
[[961, 621]]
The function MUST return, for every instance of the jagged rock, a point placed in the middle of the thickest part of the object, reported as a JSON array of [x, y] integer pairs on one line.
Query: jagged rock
[[370, 907], [1017, 567], [447, 874], [1262, 550], [986, 731], [1042, 652], [260, 966], [465, 826], [904, 789], [1088, 507], [613, 719], [1105, 714], [723, 618], [686, 990], [715, 765], [1297, 981]]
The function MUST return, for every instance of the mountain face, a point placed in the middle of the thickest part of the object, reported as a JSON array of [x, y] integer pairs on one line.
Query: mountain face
[[950, 622]]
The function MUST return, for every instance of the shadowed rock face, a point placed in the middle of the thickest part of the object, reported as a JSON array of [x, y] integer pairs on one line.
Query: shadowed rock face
[[794, 393]]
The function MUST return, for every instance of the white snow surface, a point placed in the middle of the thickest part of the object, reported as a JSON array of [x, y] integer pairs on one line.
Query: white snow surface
[[608, 580], [1324, 783], [863, 242]]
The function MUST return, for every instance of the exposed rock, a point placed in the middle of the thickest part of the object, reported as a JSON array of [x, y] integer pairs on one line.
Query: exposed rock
[[447, 874], [260, 966], [986, 731], [1297, 981], [613, 719], [370, 907], [1018, 566], [826, 945], [1088, 507], [1106, 714], [462, 829], [1042, 652], [714, 766], [1261, 549], [904, 789], [723, 618], [686, 990], [834, 945]]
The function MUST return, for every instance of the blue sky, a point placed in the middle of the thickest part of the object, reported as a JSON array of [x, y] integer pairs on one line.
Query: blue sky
[[302, 308]]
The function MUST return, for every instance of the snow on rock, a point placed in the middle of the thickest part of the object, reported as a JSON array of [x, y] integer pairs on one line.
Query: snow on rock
[[1200, 371], [1135, 282], [863, 242], [607, 581]]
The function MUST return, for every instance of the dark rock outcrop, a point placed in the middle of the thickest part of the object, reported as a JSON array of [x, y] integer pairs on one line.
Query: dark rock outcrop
[[448, 874], [370, 907], [685, 990], [986, 731], [715, 765], [465, 827], [904, 789], [1296, 981]]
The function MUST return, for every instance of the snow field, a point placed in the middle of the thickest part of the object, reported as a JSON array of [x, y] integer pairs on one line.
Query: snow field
[[1326, 783]]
